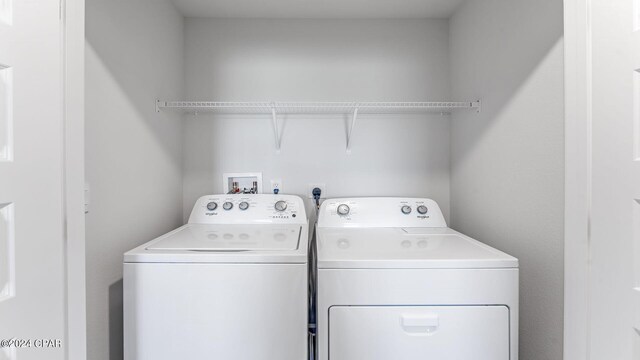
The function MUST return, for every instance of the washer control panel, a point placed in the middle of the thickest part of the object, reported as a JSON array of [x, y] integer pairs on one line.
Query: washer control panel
[[380, 212], [249, 209]]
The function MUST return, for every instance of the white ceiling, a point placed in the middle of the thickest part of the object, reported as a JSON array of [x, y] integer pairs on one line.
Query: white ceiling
[[318, 9]]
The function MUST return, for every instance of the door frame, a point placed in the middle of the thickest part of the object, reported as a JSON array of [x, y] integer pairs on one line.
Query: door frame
[[73, 31], [578, 177]]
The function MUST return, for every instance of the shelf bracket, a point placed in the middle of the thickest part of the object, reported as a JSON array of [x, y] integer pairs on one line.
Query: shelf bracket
[[276, 129], [354, 117], [160, 104]]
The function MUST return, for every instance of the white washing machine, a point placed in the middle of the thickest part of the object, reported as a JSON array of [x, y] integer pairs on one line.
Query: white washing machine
[[231, 284], [394, 282]]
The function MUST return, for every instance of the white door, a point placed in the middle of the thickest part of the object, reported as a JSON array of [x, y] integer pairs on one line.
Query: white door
[[32, 278], [635, 174], [614, 278]]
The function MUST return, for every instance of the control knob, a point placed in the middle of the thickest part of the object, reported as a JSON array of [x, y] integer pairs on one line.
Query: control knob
[[343, 209], [227, 205], [243, 205], [281, 205], [406, 209], [212, 206], [422, 209]]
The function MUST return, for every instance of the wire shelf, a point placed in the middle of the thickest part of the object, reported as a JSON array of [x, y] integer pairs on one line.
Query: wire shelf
[[267, 108], [353, 109]]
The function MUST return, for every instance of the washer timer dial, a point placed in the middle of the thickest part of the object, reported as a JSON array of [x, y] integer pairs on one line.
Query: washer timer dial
[[243, 205], [406, 209], [281, 205]]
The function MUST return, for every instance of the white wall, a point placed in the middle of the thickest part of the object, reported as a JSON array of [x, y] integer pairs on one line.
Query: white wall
[[319, 60], [507, 186], [133, 155]]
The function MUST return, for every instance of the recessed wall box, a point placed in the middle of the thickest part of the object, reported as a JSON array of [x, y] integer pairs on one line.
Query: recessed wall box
[[242, 183]]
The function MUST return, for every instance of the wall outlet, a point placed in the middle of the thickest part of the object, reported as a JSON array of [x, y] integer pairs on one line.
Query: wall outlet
[[276, 184], [322, 187]]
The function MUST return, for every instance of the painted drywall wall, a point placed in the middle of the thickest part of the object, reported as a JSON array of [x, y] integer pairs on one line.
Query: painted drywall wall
[[319, 60], [133, 155], [507, 177]]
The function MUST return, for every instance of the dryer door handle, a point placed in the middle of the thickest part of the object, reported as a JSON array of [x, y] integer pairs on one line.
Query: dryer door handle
[[420, 324]]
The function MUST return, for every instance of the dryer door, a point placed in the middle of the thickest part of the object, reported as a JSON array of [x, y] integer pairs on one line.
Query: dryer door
[[419, 332]]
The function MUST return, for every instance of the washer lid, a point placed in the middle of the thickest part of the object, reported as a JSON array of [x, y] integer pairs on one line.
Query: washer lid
[[425, 248], [221, 238], [200, 243]]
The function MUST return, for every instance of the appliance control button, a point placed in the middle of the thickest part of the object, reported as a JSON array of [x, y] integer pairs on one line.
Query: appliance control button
[[281, 205], [227, 205], [343, 209], [406, 209], [243, 205], [422, 209], [212, 206]]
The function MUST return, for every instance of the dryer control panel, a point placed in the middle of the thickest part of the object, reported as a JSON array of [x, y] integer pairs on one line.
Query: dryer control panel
[[249, 209], [380, 212]]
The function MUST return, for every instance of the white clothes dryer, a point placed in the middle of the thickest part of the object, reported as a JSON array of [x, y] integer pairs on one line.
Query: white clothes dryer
[[394, 282]]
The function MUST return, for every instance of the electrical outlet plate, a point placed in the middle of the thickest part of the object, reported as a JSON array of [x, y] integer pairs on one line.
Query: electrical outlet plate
[[322, 187], [276, 184]]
